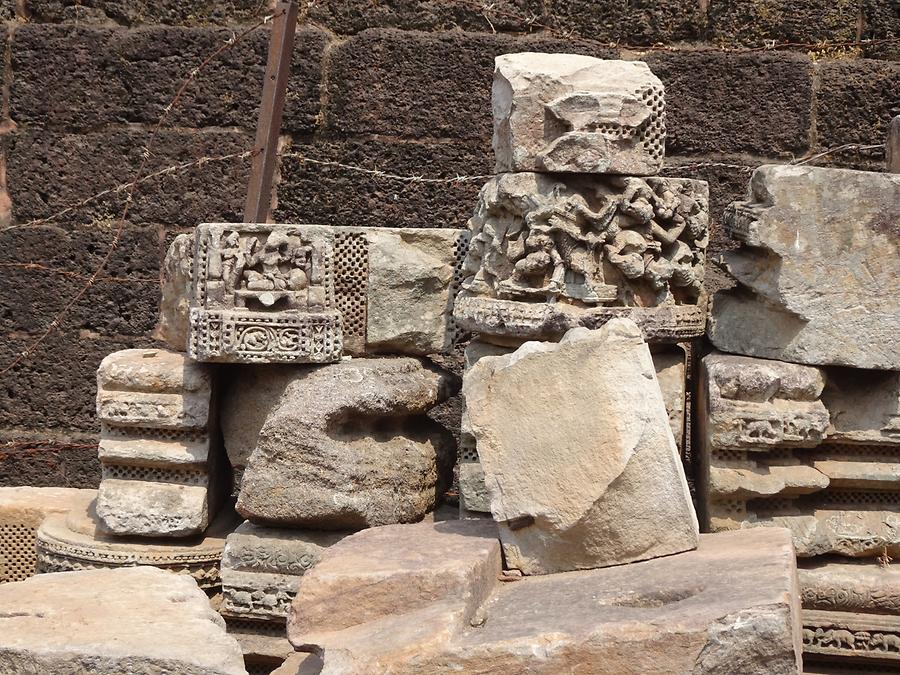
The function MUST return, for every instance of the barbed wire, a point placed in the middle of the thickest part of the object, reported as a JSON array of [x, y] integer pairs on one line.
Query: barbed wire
[[384, 174], [75, 275], [146, 154]]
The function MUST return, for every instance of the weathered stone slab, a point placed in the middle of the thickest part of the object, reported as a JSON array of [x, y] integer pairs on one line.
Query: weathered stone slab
[[76, 541], [349, 446], [767, 459], [262, 567], [871, 640], [864, 406], [731, 606], [264, 643], [108, 622], [572, 113], [395, 570], [553, 252], [22, 510], [173, 326], [818, 269], [308, 293], [578, 454], [164, 470]]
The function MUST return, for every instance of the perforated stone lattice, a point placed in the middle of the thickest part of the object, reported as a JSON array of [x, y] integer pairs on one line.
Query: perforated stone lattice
[[155, 474], [351, 280], [184, 435], [652, 134], [18, 553], [461, 249]]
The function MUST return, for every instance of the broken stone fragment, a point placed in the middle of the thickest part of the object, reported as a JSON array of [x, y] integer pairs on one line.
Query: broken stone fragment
[[22, 510], [173, 326], [108, 622], [578, 454], [731, 606], [349, 446], [864, 406], [818, 269], [572, 113]]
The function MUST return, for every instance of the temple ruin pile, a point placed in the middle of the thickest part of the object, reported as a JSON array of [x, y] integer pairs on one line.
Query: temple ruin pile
[[282, 452]]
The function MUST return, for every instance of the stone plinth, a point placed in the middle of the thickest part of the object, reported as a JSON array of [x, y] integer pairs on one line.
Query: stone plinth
[[553, 252], [349, 446], [308, 293], [571, 113], [731, 606], [164, 470], [818, 269], [109, 622], [22, 510], [76, 542], [578, 454]]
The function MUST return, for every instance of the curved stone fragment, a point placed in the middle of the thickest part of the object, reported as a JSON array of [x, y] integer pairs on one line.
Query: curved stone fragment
[[348, 446]]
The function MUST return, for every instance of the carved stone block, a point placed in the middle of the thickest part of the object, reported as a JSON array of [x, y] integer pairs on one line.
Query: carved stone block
[[578, 454], [22, 510], [571, 113], [109, 622], [864, 406], [262, 567], [767, 459], [731, 606], [173, 326], [818, 269], [349, 446], [76, 541], [308, 293], [164, 471], [553, 252]]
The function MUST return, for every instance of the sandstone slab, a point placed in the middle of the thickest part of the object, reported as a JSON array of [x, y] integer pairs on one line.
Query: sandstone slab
[[108, 622], [349, 446], [578, 454], [22, 510], [572, 113], [395, 570], [730, 606], [818, 269]]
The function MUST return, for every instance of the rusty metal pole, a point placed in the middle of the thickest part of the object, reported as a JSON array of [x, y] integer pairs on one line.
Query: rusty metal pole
[[278, 70], [892, 146]]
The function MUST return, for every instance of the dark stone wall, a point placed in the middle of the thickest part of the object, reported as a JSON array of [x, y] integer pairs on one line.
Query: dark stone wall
[[397, 85]]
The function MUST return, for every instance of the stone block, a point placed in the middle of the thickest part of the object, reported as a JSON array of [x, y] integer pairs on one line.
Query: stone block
[[571, 113], [394, 570], [130, 620], [82, 165], [767, 458], [349, 446], [300, 664], [22, 510], [363, 291], [552, 252], [860, 97], [749, 103], [660, 22], [578, 454], [881, 22], [817, 268], [353, 16], [141, 12], [45, 267], [55, 389], [77, 541], [264, 643], [754, 24], [383, 81], [864, 406], [333, 195], [113, 76], [164, 470], [730, 606], [262, 568]]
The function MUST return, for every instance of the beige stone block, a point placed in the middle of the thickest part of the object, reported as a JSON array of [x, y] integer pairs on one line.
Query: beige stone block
[[578, 453], [108, 622]]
